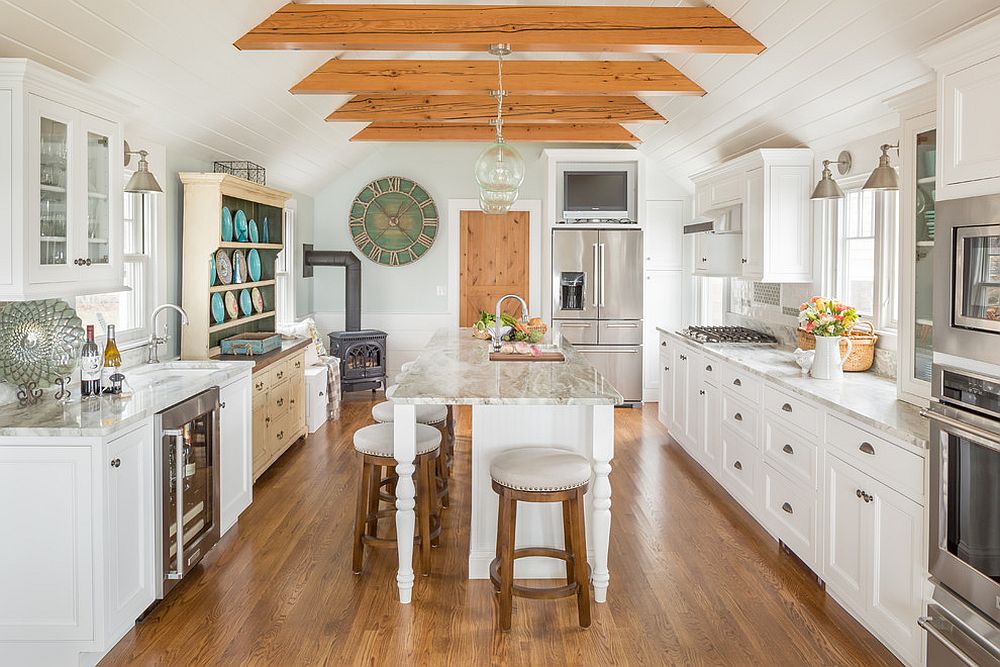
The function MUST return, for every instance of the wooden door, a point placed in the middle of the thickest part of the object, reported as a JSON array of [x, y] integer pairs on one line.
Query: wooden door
[[493, 261]]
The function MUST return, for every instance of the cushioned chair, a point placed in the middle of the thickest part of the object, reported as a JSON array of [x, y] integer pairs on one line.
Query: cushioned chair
[[374, 444], [541, 475]]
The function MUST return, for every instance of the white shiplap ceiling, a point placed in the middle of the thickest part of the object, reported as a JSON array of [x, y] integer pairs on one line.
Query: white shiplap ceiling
[[827, 68]]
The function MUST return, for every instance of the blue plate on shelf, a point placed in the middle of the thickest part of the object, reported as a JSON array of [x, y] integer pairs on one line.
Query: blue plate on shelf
[[245, 305], [239, 267], [254, 236], [211, 270], [265, 235], [218, 308], [253, 265], [240, 220], [227, 225]]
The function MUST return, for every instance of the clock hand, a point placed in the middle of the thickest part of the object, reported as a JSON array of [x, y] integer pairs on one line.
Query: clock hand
[[402, 210]]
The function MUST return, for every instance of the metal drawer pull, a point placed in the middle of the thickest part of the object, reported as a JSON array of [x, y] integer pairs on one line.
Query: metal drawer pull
[[858, 493], [116, 463], [788, 449], [867, 448], [623, 325], [663, 343], [683, 358], [925, 623], [738, 417], [708, 368], [280, 402], [864, 496], [786, 407], [738, 465], [737, 382], [281, 434], [280, 374], [787, 508]]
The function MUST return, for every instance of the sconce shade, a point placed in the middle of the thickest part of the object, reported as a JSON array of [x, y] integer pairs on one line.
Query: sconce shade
[[827, 188], [884, 177], [142, 180]]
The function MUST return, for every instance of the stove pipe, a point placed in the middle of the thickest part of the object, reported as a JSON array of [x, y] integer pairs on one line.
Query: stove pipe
[[352, 288]]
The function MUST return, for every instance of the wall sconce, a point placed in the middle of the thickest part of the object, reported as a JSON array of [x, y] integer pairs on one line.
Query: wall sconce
[[142, 180], [827, 188], [884, 177]]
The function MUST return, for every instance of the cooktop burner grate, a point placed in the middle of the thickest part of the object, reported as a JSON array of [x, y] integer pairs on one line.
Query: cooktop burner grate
[[717, 334]]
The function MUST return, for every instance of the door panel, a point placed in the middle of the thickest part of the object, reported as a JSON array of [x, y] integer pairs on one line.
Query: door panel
[[620, 280], [846, 526], [574, 274], [493, 261]]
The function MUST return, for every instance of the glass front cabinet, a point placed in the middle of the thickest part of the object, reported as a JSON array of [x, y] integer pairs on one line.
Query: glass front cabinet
[[62, 234]]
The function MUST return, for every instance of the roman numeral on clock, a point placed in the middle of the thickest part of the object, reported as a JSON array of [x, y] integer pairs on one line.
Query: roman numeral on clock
[[425, 240]]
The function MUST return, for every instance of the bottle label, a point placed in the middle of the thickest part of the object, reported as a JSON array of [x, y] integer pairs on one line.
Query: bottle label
[[189, 469], [90, 368]]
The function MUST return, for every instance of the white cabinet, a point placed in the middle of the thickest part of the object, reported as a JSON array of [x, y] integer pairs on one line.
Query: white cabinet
[[709, 444], [717, 254], [62, 233], [235, 451], [663, 234], [129, 532], [662, 307], [874, 554], [752, 261]]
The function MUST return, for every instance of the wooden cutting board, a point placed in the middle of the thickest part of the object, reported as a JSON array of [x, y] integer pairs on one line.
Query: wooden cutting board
[[544, 356]]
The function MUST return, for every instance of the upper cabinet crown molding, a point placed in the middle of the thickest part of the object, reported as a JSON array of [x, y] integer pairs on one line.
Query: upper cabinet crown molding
[[967, 45], [33, 77]]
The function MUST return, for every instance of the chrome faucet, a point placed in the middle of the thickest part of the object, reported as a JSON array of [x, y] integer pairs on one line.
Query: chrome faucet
[[153, 346], [498, 323]]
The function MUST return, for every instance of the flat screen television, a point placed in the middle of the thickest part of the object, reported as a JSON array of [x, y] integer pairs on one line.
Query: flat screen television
[[595, 194]]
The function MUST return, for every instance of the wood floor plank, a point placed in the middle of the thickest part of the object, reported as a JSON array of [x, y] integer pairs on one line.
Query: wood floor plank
[[694, 580]]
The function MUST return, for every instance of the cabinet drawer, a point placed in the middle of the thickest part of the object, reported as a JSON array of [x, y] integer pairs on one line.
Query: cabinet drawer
[[740, 461], [278, 399], [725, 190], [792, 411], [740, 382], [619, 332], [791, 453], [709, 371], [297, 365], [741, 416], [790, 513], [261, 381], [280, 370], [899, 469]]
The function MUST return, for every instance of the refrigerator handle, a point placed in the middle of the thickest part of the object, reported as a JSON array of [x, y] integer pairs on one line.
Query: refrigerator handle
[[178, 437], [595, 274], [602, 275]]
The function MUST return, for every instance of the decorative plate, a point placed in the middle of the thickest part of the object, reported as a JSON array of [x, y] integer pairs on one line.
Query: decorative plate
[[393, 221], [253, 264], [245, 305], [39, 341], [239, 267], [218, 309], [258, 299], [254, 236], [211, 270], [227, 224], [232, 307], [223, 267], [240, 222]]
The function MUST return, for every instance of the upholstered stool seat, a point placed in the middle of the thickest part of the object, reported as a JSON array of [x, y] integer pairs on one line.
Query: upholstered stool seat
[[540, 469], [427, 413], [390, 390], [376, 440]]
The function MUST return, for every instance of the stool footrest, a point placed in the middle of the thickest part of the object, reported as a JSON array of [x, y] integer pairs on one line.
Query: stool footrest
[[538, 592]]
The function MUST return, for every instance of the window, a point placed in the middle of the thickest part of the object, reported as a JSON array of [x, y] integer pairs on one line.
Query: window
[[863, 271], [285, 268], [127, 310], [712, 300]]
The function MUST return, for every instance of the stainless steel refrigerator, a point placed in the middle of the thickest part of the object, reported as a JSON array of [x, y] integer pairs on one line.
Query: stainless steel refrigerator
[[597, 300]]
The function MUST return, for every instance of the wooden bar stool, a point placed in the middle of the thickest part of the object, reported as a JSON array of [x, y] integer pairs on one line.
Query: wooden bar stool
[[374, 444], [541, 475], [431, 415]]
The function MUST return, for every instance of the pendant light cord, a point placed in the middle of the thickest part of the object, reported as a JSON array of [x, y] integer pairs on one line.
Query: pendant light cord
[[500, 93]]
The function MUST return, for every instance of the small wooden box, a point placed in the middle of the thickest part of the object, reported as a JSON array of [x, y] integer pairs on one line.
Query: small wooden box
[[251, 344]]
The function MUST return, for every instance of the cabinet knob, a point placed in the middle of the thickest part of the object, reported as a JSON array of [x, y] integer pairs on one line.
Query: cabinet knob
[[704, 259], [738, 417], [858, 493], [663, 343], [281, 434], [267, 420], [738, 465], [787, 508], [701, 392], [683, 358], [743, 260], [708, 368], [666, 368], [867, 448], [222, 405], [280, 374], [280, 402], [116, 463], [788, 449], [786, 407], [738, 382]]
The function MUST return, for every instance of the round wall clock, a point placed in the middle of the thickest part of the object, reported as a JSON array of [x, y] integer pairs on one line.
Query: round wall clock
[[393, 221]]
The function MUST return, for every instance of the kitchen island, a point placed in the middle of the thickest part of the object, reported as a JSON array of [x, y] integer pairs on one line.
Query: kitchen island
[[565, 404]]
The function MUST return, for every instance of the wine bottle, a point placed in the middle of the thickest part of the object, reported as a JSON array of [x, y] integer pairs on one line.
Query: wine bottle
[[90, 366], [111, 376]]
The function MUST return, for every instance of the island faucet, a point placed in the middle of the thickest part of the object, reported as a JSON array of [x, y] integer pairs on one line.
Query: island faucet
[[497, 324], [153, 346]]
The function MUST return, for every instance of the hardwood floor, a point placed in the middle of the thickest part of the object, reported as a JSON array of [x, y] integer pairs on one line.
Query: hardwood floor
[[694, 580]]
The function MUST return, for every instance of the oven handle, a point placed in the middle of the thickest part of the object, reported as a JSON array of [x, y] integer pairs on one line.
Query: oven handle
[[178, 436], [991, 440], [925, 623]]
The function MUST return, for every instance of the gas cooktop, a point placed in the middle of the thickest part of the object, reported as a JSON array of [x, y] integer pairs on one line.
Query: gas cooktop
[[727, 335]]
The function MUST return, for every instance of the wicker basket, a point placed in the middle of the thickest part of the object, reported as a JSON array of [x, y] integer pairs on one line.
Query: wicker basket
[[862, 354]]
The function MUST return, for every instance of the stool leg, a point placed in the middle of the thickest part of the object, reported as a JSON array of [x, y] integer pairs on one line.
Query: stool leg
[[374, 477], [441, 464], [501, 525], [359, 519], [434, 501], [580, 561], [568, 530], [424, 491], [507, 562]]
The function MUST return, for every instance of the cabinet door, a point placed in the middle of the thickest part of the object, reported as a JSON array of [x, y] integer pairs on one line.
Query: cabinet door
[[970, 144], [662, 297], [897, 561], [52, 191], [260, 428], [666, 391], [679, 395], [710, 436], [692, 369], [663, 230], [787, 240], [129, 529], [753, 225], [97, 232], [235, 451], [847, 524], [702, 199]]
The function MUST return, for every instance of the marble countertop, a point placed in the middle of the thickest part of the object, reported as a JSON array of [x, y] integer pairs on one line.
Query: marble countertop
[[455, 369], [866, 397], [153, 388]]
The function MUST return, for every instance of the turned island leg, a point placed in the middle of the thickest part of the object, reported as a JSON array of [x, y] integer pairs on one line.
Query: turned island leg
[[405, 451], [604, 451]]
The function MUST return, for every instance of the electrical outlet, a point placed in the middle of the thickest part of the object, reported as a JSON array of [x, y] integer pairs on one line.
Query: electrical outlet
[[440, 290]]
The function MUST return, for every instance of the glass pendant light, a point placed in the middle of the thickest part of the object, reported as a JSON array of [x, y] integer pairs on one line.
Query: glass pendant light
[[884, 177], [499, 169]]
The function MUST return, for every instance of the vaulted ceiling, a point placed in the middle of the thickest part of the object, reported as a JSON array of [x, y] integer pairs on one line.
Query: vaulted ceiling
[[827, 66]]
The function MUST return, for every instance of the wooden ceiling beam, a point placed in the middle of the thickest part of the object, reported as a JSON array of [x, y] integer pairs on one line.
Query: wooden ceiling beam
[[552, 132], [479, 109], [479, 77], [474, 27]]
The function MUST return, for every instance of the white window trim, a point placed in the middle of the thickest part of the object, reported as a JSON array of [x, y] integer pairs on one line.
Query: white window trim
[[285, 269]]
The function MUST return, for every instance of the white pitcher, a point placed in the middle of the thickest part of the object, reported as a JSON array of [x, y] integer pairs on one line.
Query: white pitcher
[[828, 364]]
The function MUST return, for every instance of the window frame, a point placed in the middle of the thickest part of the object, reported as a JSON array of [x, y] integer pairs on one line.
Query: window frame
[[284, 270]]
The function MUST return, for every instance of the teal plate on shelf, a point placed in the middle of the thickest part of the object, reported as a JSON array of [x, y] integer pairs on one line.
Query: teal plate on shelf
[[254, 236], [245, 305], [211, 270], [253, 265], [240, 220], [227, 225], [218, 308]]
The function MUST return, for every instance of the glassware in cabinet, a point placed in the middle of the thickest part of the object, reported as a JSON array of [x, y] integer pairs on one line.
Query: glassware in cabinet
[[53, 189]]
